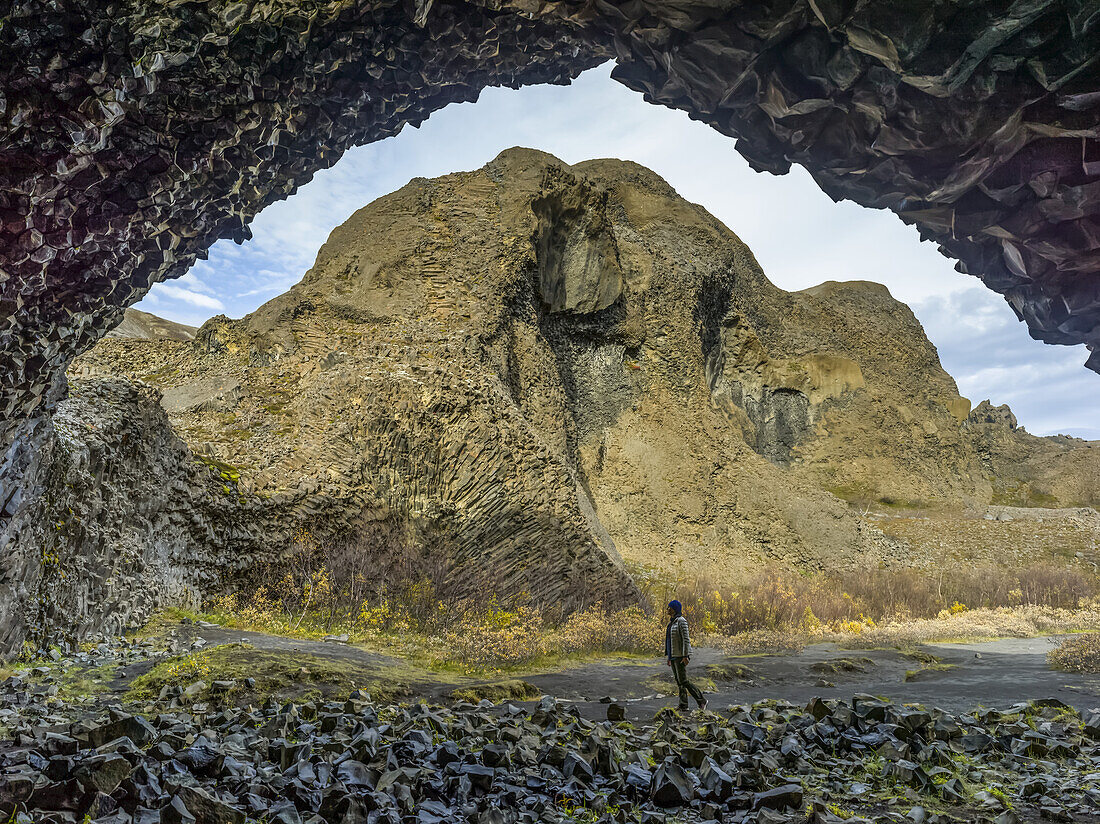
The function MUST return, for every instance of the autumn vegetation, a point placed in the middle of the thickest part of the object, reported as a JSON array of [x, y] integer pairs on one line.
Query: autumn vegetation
[[387, 593]]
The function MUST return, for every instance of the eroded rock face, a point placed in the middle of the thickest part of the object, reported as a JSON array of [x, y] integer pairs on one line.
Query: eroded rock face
[[137, 133], [423, 369], [117, 519], [577, 257]]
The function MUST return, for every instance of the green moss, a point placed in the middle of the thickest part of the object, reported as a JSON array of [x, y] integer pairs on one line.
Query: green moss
[[497, 691], [666, 686], [86, 683], [667, 715], [227, 472], [919, 655], [76, 683], [164, 375], [1024, 495], [730, 671], [917, 674], [839, 665], [281, 674]]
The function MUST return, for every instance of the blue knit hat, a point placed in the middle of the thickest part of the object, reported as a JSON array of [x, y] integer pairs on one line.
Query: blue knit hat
[[676, 606]]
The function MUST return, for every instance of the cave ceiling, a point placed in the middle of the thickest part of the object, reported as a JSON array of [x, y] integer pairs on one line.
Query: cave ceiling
[[135, 134]]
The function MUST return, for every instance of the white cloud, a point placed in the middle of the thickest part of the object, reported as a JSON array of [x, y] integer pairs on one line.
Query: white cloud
[[194, 298], [990, 355], [191, 279], [262, 290]]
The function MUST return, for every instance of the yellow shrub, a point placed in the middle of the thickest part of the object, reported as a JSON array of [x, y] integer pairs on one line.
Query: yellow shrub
[[594, 630], [955, 609], [498, 638]]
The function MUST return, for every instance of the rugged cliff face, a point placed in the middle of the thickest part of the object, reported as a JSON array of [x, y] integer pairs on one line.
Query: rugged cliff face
[[537, 361], [543, 369], [533, 357], [117, 519]]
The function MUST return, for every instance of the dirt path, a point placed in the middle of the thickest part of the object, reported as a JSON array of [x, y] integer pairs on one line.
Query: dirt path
[[991, 674]]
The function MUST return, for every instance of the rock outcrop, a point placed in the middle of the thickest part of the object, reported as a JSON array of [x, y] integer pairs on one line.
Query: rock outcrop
[[541, 368], [534, 360], [118, 520]]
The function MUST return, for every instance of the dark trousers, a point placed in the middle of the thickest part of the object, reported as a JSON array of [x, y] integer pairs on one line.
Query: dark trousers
[[679, 672]]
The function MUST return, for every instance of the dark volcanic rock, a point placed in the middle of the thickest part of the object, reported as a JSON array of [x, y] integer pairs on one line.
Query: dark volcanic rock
[[103, 773], [383, 765], [671, 786], [206, 808]]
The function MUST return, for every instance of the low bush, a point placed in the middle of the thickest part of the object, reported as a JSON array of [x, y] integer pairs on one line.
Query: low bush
[[1081, 653], [399, 593], [776, 606], [508, 638]]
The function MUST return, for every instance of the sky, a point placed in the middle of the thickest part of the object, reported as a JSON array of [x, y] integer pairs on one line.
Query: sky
[[799, 236]]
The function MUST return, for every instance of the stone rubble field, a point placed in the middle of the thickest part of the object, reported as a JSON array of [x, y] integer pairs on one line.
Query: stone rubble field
[[176, 761]]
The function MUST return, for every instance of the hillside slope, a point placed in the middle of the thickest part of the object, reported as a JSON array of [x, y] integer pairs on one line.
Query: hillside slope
[[138, 325]]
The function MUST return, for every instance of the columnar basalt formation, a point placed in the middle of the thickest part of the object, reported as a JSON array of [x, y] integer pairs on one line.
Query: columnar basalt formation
[[516, 361], [536, 362], [117, 519]]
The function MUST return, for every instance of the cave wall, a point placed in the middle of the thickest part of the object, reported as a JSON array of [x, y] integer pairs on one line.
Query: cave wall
[[133, 134]]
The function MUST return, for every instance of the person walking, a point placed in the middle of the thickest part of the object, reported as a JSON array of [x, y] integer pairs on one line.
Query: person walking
[[678, 655]]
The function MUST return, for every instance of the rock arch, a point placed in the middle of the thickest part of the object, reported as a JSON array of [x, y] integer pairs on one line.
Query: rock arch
[[134, 133]]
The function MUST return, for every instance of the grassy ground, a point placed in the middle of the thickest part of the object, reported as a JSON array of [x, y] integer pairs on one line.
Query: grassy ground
[[664, 685], [424, 652], [907, 635], [497, 691], [775, 611], [920, 672], [431, 657], [75, 684], [282, 675]]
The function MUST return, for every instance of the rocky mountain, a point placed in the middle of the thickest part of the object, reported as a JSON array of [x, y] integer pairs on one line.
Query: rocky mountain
[[547, 368], [536, 370]]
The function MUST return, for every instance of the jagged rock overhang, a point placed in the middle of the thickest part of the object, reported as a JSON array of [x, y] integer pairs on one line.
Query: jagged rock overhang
[[135, 134]]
